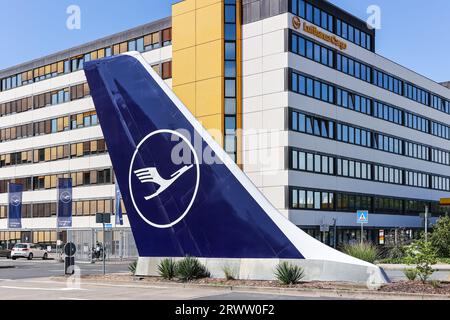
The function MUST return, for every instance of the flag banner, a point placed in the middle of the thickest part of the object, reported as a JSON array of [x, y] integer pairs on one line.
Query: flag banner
[[119, 216], [64, 202], [15, 206]]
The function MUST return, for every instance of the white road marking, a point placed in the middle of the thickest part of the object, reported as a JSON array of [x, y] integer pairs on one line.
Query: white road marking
[[43, 289]]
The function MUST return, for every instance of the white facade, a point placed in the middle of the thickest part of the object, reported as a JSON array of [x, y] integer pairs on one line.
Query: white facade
[[266, 103]]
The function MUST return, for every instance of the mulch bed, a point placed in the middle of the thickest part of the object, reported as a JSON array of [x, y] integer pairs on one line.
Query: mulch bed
[[417, 287]]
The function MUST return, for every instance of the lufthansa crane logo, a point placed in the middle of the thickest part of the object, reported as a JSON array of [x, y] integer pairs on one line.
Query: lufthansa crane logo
[[15, 200], [163, 192], [65, 197]]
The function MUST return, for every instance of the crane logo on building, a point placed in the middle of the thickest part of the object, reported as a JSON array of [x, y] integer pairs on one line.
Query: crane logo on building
[[163, 191], [296, 22]]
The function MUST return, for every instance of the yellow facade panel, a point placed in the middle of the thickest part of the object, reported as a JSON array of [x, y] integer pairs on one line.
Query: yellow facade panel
[[183, 66], [183, 31], [183, 7], [214, 125], [210, 60], [186, 93], [209, 23], [209, 97], [204, 3]]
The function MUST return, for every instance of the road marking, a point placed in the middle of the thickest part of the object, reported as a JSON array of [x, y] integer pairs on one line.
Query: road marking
[[43, 289], [80, 299]]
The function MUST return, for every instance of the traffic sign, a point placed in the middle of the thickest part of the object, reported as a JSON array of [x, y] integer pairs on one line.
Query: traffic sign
[[362, 217], [445, 202]]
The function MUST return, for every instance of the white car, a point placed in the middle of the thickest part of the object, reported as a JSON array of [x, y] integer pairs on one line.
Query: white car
[[28, 251]]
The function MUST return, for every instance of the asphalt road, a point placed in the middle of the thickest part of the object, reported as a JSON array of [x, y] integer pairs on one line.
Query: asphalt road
[[31, 280], [24, 269]]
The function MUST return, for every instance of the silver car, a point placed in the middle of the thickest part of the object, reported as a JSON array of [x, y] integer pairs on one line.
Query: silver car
[[28, 251]]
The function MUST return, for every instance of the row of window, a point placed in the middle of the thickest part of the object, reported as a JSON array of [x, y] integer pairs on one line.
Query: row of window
[[325, 55], [77, 121], [79, 208], [230, 64], [145, 43], [45, 99], [305, 199], [66, 151], [357, 169], [325, 92], [346, 133], [164, 69], [326, 21], [80, 178]]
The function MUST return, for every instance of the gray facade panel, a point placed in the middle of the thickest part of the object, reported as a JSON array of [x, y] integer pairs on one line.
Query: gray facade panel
[[255, 10]]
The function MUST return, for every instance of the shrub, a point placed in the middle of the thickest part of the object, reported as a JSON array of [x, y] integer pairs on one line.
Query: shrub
[[411, 274], [396, 252], [422, 254], [167, 269], [132, 267], [288, 274], [229, 272], [364, 251], [435, 284], [190, 269], [440, 238]]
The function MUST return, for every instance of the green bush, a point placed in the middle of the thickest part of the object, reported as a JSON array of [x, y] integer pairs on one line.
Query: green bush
[[411, 274], [440, 238], [132, 267], [190, 269], [364, 251], [422, 254], [288, 274], [167, 269], [396, 252], [229, 272]]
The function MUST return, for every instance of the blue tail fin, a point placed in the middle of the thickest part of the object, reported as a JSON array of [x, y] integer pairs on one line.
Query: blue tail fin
[[177, 203], [183, 194]]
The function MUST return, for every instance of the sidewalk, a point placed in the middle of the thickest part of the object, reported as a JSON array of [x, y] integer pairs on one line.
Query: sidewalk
[[341, 291]]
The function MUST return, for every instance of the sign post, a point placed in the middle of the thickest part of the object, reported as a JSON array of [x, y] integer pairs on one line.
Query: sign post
[[362, 217], [103, 218]]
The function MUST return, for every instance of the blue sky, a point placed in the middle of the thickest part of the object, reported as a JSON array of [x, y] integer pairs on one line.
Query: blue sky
[[414, 33]]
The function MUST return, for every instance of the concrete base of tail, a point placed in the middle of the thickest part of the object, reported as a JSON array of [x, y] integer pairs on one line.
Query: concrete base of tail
[[264, 269]]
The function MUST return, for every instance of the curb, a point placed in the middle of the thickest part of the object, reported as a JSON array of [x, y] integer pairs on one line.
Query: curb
[[401, 267], [358, 294]]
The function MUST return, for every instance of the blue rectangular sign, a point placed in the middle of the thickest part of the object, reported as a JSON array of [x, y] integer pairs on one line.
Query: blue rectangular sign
[[362, 216], [119, 216], [15, 206], [64, 202]]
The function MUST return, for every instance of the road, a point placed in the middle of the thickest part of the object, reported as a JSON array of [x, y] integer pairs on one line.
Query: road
[[31, 280], [24, 269], [23, 279]]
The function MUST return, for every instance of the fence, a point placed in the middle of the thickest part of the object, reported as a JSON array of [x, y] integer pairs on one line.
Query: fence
[[119, 243]]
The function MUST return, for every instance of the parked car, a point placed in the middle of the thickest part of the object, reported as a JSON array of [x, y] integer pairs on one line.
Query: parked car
[[28, 251], [5, 253]]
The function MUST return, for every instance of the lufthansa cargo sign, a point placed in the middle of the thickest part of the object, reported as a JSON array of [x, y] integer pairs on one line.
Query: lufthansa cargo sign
[[297, 23]]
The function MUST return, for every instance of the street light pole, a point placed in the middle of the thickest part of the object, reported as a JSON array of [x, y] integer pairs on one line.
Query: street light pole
[[426, 223]]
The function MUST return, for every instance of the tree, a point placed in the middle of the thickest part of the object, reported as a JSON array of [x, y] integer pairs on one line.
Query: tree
[[440, 238], [422, 254]]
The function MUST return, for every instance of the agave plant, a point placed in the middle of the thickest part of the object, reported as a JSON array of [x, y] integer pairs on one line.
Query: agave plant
[[288, 273], [190, 269], [167, 269]]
